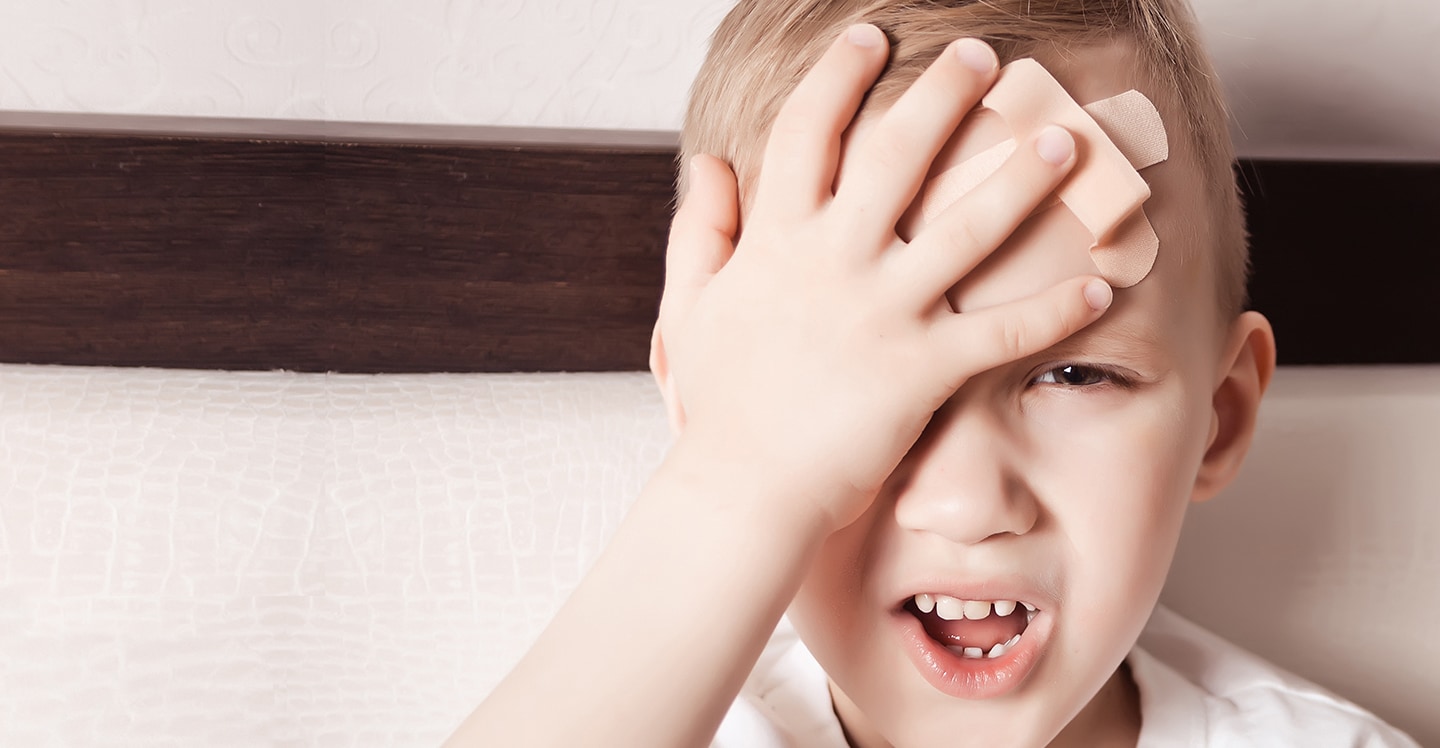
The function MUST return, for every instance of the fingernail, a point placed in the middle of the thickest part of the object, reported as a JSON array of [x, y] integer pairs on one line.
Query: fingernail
[[865, 35], [1055, 145], [976, 55], [1098, 295]]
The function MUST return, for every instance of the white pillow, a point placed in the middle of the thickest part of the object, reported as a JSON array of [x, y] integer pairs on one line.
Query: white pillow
[[210, 558]]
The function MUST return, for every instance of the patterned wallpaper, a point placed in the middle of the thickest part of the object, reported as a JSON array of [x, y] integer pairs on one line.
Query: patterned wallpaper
[[244, 58], [559, 63], [1307, 78]]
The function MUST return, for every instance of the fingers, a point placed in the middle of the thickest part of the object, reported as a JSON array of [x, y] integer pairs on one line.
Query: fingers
[[702, 239], [893, 158], [980, 221], [983, 339], [669, 393], [702, 236], [804, 144]]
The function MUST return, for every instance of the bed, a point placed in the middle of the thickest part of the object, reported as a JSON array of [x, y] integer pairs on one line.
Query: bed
[[306, 430]]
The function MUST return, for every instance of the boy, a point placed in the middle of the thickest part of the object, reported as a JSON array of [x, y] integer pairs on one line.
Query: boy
[[916, 416]]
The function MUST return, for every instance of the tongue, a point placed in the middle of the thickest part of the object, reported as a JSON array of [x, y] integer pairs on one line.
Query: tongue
[[984, 633]]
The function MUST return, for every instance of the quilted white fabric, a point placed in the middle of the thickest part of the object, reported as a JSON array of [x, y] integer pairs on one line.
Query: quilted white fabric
[[272, 559], [276, 559]]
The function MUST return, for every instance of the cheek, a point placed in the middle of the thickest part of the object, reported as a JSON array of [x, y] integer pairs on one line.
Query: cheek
[[1118, 481], [1117, 494]]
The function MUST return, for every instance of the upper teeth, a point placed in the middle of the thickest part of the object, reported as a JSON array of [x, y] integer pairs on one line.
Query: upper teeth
[[952, 609]]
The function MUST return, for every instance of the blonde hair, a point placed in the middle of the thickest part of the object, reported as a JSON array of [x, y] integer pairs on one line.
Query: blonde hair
[[764, 47]]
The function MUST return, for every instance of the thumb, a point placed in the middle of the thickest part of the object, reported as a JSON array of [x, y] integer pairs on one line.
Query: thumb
[[702, 236], [702, 240]]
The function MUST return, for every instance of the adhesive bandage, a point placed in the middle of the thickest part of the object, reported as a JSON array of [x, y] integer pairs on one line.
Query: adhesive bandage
[[1115, 138]]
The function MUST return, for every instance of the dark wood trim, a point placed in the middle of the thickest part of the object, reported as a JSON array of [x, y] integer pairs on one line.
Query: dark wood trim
[[1346, 259], [329, 131], [327, 253]]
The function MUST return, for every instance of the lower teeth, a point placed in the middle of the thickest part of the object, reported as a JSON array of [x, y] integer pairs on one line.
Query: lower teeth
[[976, 653]]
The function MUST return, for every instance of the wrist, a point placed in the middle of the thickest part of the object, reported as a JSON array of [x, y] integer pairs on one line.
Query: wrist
[[723, 483]]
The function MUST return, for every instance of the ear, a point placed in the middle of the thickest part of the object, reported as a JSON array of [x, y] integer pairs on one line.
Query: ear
[[1245, 370], [660, 369]]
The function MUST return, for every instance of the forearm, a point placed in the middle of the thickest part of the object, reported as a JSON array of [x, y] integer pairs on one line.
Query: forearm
[[657, 640]]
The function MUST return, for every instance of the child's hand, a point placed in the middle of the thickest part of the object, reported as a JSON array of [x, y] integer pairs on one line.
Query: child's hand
[[814, 353]]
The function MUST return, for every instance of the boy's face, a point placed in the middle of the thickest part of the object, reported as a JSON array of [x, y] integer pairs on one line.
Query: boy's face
[[1058, 481]]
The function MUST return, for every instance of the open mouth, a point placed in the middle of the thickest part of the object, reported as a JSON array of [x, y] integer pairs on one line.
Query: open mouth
[[973, 629]]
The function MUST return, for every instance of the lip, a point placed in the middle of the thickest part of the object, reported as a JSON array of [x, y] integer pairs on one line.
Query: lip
[[972, 678]]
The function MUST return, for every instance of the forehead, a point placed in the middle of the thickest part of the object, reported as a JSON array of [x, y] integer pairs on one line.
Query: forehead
[[1053, 245]]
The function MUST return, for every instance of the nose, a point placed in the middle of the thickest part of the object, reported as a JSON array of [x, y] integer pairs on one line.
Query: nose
[[960, 481]]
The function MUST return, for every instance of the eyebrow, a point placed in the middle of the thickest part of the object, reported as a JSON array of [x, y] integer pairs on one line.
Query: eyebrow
[[1132, 340]]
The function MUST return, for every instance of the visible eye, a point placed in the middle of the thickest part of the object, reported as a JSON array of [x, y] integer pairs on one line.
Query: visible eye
[[1080, 375]]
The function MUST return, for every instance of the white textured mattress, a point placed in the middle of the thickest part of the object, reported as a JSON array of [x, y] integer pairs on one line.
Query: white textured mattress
[[224, 559]]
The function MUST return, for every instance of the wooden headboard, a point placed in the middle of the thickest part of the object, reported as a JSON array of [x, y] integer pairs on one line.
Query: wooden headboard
[[189, 244]]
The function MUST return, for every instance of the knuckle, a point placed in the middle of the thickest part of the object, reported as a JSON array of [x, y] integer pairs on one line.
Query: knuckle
[[1014, 335], [1023, 178], [965, 233], [1031, 329], [792, 125], [1061, 325], [886, 151], [787, 129], [1072, 316]]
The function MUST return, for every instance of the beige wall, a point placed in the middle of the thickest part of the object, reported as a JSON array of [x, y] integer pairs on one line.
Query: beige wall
[[1307, 78]]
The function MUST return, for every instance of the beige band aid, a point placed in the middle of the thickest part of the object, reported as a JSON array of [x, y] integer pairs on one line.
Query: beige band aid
[[1115, 137], [1134, 125], [945, 188]]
